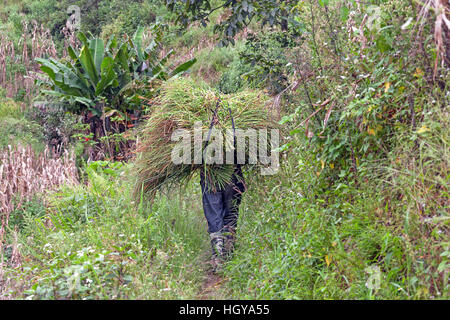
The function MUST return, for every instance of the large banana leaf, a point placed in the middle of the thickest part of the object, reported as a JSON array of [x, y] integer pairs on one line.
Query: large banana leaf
[[157, 67], [82, 37], [97, 47], [121, 60], [111, 45], [87, 102], [108, 75], [87, 61], [122, 57], [62, 76], [137, 41], [72, 53]]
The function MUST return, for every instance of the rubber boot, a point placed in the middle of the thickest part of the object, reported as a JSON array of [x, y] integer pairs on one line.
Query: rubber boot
[[217, 246], [230, 238]]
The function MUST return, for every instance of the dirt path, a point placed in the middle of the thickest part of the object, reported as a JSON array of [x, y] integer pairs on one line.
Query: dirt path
[[212, 282], [210, 287]]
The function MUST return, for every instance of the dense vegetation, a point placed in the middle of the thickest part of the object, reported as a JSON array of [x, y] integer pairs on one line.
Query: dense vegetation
[[359, 209]]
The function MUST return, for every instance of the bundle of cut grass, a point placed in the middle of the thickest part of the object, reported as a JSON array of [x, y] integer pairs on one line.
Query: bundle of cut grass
[[184, 105]]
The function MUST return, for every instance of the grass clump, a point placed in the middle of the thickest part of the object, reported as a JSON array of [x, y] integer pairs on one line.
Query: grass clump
[[182, 104]]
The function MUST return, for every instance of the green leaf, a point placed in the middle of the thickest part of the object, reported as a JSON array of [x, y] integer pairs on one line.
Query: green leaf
[[156, 67], [82, 100], [151, 47], [137, 40], [49, 64], [87, 62], [82, 37], [112, 43], [62, 76], [72, 53], [108, 75], [122, 57], [49, 71], [183, 67], [443, 266], [97, 48]]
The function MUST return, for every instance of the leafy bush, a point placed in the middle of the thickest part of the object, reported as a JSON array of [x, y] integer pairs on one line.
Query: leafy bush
[[232, 79], [212, 63], [58, 125], [15, 129], [267, 54]]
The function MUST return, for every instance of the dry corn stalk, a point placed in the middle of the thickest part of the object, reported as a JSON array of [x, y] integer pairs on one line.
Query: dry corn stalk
[[36, 42], [24, 173], [441, 9]]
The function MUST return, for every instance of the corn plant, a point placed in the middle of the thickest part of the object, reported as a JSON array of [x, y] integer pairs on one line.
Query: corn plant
[[17, 60]]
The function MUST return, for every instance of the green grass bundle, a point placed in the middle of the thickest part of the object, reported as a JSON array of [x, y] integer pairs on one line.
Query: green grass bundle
[[182, 103]]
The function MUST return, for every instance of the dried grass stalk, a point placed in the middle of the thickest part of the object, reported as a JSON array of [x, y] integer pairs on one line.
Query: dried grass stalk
[[24, 173], [441, 9], [36, 42]]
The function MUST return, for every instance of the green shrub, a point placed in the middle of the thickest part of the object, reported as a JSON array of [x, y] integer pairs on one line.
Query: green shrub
[[15, 131], [270, 56], [10, 109], [232, 80]]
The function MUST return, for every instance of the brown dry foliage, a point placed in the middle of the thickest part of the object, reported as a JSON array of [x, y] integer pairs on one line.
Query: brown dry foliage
[[24, 173], [441, 34], [36, 42]]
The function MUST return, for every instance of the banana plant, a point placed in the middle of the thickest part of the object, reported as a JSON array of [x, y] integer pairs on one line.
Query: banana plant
[[90, 77], [102, 75], [146, 66], [105, 82]]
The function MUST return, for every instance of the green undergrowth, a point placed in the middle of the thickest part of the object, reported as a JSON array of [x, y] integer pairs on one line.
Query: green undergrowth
[[383, 237], [16, 129], [94, 243], [295, 240]]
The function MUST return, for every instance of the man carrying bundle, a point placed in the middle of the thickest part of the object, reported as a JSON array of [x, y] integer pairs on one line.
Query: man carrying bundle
[[166, 148]]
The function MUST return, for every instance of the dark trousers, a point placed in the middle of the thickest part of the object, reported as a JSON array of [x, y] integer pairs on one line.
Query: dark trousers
[[221, 207]]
